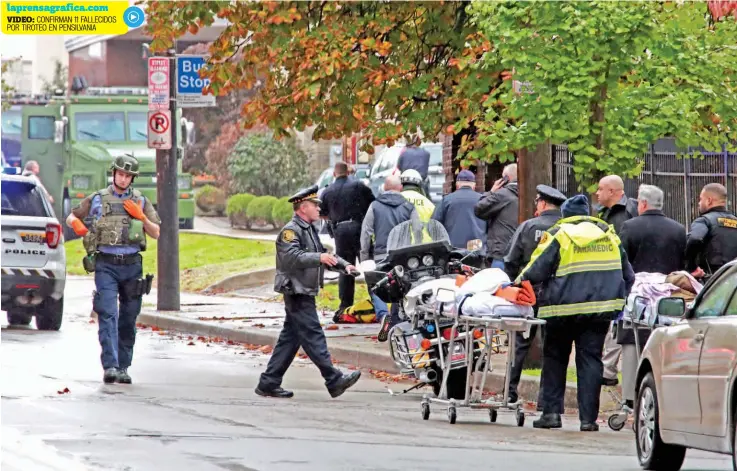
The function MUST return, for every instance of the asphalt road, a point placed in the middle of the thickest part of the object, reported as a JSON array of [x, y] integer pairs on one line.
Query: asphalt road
[[192, 407]]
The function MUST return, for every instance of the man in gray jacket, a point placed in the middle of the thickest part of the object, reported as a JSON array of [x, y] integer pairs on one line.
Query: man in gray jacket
[[500, 208], [388, 211]]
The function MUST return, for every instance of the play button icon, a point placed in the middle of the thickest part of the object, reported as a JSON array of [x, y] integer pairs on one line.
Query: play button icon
[[133, 17]]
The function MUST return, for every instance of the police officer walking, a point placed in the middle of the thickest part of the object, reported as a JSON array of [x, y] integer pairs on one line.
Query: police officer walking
[[523, 244], [586, 278], [712, 241], [344, 204], [300, 260], [121, 219]]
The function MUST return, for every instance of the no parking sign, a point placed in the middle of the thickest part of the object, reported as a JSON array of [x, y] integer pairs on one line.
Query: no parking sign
[[159, 129]]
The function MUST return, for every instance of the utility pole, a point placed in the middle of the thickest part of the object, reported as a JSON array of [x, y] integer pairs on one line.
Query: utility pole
[[168, 209]]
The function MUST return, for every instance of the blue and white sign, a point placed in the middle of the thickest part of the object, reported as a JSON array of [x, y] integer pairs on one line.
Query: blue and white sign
[[190, 85]]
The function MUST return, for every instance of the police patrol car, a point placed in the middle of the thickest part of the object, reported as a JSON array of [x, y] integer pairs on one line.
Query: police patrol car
[[33, 258]]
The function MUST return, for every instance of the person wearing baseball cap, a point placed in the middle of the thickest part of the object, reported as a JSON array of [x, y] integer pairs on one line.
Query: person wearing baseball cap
[[455, 212]]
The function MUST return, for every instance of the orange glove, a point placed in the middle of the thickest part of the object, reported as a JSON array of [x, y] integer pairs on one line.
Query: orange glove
[[79, 228], [134, 209]]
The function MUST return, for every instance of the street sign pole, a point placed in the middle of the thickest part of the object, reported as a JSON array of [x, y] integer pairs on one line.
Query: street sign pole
[[166, 193]]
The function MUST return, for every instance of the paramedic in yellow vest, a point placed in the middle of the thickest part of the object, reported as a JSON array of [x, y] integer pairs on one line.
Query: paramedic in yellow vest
[[585, 277], [413, 192], [120, 218]]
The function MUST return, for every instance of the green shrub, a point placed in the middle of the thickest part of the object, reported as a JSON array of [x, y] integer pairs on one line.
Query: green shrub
[[237, 210], [282, 212], [260, 208], [238, 204], [211, 199]]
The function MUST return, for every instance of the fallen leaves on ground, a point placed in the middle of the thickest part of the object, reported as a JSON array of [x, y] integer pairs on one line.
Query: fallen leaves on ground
[[266, 349], [332, 327], [258, 326], [63, 391], [386, 377]]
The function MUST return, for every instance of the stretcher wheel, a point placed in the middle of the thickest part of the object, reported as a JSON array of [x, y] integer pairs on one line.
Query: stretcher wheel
[[492, 415], [616, 423], [520, 418], [452, 414], [425, 411]]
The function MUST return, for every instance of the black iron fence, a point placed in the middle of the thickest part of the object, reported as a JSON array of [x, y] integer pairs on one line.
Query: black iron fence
[[681, 179]]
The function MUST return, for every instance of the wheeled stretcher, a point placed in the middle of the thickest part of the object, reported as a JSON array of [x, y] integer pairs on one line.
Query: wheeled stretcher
[[510, 319]]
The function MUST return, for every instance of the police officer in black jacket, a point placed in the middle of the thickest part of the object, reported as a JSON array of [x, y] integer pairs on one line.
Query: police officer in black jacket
[[712, 241], [345, 203], [300, 258], [523, 243]]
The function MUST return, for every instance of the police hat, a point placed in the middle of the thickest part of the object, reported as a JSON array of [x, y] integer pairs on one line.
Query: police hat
[[307, 194], [550, 194]]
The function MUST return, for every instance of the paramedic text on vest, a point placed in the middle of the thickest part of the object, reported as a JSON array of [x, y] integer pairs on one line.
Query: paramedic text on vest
[[120, 219], [586, 278], [712, 241]]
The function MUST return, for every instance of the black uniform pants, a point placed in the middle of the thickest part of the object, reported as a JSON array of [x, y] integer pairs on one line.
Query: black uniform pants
[[520, 353], [348, 247], [588, 333], [301, 329]]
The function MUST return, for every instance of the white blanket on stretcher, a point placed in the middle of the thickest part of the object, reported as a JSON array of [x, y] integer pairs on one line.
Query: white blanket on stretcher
[[478, 300]]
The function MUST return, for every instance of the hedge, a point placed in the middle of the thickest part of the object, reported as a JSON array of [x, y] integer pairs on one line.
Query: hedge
[[237, 209], [282, 212], [211, 199], [260, 208]]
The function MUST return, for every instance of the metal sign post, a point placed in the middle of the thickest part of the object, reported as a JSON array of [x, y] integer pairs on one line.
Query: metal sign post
[[164, 123]]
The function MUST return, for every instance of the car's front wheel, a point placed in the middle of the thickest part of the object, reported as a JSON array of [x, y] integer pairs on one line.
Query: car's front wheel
[[652, 452], [49, 314]]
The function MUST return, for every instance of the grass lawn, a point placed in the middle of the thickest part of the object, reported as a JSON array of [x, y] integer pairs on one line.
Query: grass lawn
[[328, 298], [203, 259]]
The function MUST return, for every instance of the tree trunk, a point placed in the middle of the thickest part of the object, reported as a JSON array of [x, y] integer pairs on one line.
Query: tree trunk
[[534, 167]]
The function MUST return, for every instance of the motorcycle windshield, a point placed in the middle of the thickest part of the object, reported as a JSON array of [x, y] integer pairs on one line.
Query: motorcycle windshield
[[414, 233]]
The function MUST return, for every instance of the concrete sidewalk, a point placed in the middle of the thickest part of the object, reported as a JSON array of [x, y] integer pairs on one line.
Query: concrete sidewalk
[[252, 320]]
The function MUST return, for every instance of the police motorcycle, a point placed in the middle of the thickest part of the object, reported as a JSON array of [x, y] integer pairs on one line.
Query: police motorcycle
[[420, 260]]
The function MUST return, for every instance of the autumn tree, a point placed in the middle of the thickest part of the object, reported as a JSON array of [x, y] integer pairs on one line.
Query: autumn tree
[[608, 79], [7, 89], [385, 70], [58, 80]]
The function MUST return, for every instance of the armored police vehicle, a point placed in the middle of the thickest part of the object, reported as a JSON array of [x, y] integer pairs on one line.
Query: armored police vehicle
[[76, 138]]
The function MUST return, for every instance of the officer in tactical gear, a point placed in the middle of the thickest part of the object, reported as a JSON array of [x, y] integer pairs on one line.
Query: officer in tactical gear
[[300, 261], [524, 242], [712, 241], [119, 219]]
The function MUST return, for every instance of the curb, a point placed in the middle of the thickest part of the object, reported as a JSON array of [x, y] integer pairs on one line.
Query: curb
[[243, 280], [528, 386]]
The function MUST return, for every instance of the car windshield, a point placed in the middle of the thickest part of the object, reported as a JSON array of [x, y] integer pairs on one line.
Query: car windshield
[[137, 126], [12, 122], [100, 126], [22, 199], [411, 233]]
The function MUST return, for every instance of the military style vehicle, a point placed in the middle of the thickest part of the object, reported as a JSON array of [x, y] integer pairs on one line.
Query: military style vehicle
[[75, 139]]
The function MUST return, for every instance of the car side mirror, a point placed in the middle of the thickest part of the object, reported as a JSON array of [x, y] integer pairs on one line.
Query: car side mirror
[[672, 307]]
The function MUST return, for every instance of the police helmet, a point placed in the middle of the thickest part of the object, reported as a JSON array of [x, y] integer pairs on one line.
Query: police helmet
[[411, 177], [125, 163]]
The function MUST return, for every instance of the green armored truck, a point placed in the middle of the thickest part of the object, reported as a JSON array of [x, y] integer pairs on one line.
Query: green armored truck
[[76, 138]]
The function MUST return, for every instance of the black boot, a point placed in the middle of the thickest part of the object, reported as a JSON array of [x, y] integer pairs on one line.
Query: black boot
[[124, 377], [589, 427], [276, 392], [110, 375], [548, 421], [345, 382]]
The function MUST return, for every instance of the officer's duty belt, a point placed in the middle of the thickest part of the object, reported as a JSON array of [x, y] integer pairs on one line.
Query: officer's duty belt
[[128, 259]]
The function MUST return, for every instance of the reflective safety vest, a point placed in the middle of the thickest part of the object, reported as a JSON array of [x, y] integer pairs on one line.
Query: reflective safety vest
[[588, 277], [424, 206]]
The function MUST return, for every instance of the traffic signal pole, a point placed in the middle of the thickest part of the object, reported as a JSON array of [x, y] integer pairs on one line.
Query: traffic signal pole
[[168, 208]]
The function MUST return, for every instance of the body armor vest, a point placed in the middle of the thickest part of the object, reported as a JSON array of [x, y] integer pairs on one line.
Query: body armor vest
[[116, 226]]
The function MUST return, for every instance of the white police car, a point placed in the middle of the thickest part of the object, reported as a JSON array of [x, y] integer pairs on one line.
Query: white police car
[[33, 258]]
